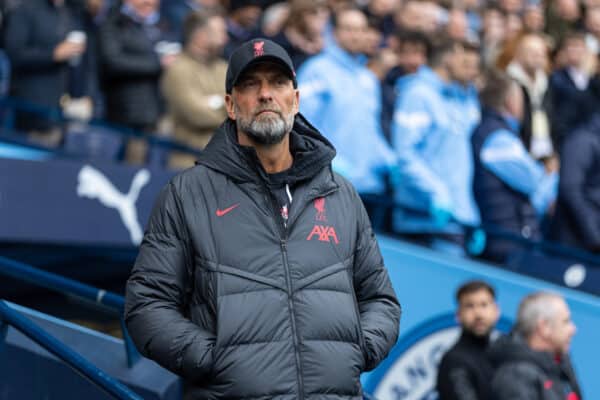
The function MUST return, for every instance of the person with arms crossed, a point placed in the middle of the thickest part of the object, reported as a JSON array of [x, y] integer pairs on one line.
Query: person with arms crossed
[[259, 275]]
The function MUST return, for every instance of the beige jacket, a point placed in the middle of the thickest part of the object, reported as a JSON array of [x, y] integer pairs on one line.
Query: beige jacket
[[194, 92]]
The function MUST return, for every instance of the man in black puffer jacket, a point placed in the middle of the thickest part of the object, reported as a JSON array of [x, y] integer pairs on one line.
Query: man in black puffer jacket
[[533, 363], [259, 276]]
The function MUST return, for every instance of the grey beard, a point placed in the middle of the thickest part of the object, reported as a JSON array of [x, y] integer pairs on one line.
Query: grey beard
[[267, 131]]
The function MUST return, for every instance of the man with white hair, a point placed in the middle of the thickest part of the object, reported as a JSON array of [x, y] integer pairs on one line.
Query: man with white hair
[[533, 362]]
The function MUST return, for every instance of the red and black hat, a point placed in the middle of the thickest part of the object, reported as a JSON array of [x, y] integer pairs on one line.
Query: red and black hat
[[252, 52]]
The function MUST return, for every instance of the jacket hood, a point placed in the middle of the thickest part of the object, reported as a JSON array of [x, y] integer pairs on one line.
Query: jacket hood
[[512, 348], [310, 150]]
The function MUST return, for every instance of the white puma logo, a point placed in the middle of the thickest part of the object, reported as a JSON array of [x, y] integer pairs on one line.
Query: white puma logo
[[94, 185]]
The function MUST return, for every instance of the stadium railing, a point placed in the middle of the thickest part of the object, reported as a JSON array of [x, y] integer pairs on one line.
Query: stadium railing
[[100, 130], [109, 302], [111, 386], [555, 257]]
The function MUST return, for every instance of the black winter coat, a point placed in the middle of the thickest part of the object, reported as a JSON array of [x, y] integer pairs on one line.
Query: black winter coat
[[577, 218], [224, 294], [525, 374], [465, 372], [130, 70], [33, 30]]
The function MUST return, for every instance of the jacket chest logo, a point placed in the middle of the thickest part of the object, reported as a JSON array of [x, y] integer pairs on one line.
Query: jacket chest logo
[[323, 233]]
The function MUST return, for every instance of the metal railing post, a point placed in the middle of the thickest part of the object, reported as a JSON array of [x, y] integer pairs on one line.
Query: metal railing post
[[133, 355], [112, 301], [72, 358]]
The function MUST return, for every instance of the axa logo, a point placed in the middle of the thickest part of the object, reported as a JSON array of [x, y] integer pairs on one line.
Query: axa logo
[[92, 184], [259, 49], [324, 234]]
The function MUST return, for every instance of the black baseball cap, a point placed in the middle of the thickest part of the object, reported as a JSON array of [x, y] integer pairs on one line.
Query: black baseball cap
[[252, 52]]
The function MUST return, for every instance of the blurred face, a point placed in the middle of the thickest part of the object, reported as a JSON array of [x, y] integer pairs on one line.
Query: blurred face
[[514, 25], [468, 70], [351, 31], [247, 16], [560, 329], [263, 104], [532, 54], [592, 20], [383, 7], [457, 25], [454, 63], [417, 16], [511, 6], [210, 40], [493, 27], [372, 40], [411, 56], [533, 19], [568, 9], [144, 8], [478, 312], [315, 20], [575, 52]]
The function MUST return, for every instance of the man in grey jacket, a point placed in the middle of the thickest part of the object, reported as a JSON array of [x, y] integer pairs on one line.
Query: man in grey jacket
[[259, 276]]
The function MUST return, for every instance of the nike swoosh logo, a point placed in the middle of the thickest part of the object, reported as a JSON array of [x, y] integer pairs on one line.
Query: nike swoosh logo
[[220, 213]]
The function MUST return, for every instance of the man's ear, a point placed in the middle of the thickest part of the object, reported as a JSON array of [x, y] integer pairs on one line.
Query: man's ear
[[229, 106], [297, 108]]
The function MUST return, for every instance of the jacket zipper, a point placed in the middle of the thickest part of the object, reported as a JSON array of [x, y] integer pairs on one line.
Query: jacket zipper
[[288, 281], [293, 320]]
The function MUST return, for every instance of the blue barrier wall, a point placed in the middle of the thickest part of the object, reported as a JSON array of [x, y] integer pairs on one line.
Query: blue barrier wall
[[425, 282], [73, 202]]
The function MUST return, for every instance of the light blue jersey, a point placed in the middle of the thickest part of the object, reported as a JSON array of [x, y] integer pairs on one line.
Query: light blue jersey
[[432, 128], [504, 155], [341, 98]]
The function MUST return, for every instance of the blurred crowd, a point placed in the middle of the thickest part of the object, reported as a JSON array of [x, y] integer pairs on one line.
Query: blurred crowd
[[465, 112]]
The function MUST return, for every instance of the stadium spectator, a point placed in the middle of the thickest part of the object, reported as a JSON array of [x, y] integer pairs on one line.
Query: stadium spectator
[[341, 97], [457, 27], [528, 67], [45, 43], [512, 190], [569, 87], [274, 18], [492, 34], [465, 371], [533, 363], [175, 11], [534, 18], [135, 46], [562, 16], [577, 220], [303, 33], [241, 302], [592, 28], [381, 12], [192, 85], [420, 16], [431, 137], [411, 52], [242, 23], [511, 6]]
